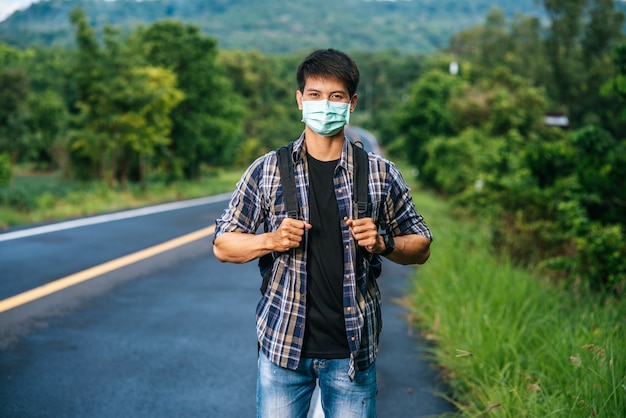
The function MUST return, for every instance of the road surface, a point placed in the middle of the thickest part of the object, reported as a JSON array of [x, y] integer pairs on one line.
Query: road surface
[[160, 328]]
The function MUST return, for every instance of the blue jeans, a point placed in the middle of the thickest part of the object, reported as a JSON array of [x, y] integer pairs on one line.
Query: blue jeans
[[285, 393]]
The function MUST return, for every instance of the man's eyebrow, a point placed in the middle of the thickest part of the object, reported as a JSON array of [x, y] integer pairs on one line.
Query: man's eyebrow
[[314, 90]]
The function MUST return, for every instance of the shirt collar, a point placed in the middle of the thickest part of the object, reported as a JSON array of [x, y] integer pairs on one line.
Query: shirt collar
[[299, 152]]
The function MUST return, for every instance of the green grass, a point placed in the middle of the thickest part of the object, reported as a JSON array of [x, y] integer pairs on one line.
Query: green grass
[[35, 198], [508, 342]]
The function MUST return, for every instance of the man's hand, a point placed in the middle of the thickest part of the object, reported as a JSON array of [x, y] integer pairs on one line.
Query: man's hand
[[409, 249], [289, 234], [365, 233], [238, 247]]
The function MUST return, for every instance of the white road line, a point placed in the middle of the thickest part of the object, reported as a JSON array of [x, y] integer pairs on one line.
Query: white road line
[[112, 217], [101, 269]]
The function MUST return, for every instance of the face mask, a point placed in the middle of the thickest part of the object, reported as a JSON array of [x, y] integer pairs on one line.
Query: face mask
[[324, 117]]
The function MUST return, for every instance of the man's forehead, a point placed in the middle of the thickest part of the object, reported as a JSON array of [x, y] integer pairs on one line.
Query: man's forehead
[[324, 83]]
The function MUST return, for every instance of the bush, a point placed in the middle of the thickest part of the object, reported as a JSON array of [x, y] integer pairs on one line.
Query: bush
[[602, 258], [5, 169]]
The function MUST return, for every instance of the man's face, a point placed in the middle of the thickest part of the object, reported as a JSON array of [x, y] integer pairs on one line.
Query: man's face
[[330, 89]]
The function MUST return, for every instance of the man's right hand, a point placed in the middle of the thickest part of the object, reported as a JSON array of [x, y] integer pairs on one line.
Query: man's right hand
[[289, 234]]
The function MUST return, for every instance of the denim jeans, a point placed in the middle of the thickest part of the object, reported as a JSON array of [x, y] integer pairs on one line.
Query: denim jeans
[[285, 393]]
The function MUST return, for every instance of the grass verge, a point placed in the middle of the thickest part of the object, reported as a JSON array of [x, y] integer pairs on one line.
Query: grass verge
[[509, 343], [36, 198]]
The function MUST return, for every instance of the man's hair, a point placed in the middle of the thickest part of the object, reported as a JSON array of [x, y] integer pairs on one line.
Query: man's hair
[[329, 63]]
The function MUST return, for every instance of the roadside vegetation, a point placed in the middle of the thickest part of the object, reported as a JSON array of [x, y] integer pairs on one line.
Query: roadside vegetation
[[47, 196], [509, 341]]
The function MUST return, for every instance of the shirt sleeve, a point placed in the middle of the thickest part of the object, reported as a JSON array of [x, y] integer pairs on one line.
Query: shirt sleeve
[[243, 213], [404, 218]]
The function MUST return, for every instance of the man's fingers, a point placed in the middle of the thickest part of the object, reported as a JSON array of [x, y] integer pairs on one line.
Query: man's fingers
[[291, 232]]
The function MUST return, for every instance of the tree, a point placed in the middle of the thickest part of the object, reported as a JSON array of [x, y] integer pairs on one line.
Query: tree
[[124, 105], [14, 138], [426, 115], [48, 122], [582, 34], [272, 117], [207, 123], [89, 137], [386, 77], [149, 94]]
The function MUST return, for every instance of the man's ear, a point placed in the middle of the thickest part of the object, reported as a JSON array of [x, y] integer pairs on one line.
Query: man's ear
[[355, 98], [299, 99]]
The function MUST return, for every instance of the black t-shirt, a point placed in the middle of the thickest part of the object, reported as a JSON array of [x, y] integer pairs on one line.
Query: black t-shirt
[[325, 332]]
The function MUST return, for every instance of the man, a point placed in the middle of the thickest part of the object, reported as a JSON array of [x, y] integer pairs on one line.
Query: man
[[319, 318]]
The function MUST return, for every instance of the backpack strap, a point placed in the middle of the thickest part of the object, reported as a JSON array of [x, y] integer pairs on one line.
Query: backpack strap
[[361, 174], [287, 180], [361, 199], [288, 183]]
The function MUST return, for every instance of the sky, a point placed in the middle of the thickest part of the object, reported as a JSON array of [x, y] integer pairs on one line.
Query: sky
[[7, 7]]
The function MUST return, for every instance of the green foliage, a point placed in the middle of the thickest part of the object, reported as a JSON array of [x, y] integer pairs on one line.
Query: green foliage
[[508, 342], [5, 169], [385, 79], [207, 123], [14, 137], [267, 86], [600, 164], [615, 87], [601, 257], [546, 199], [8, 56], [570, 58], [38, 197], [49, 120], [426, 114], [169, 106], [555, 198]]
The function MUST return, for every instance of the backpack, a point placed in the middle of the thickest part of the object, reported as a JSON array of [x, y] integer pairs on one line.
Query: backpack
[[359, 196]]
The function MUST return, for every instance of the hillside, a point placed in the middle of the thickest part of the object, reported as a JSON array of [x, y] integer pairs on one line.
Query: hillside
[[272, 26]]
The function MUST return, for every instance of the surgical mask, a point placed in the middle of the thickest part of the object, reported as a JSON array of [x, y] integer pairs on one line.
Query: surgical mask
[[324, 117]]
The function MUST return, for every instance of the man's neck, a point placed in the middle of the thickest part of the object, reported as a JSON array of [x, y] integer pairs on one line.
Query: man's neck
[[324, 148]]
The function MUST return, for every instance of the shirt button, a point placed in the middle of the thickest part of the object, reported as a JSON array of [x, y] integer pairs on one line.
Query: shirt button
[[340, 190], [347, 247], [349, 308], [353, 339], [347, 277]]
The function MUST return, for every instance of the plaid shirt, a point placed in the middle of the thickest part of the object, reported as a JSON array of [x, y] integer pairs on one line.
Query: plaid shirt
[[281, 311]]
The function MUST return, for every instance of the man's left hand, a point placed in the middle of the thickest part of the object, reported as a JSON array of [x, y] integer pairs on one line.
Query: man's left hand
[[365, 233]]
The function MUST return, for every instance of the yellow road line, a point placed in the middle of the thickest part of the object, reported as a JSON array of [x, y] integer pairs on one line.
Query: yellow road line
[[101, 269]]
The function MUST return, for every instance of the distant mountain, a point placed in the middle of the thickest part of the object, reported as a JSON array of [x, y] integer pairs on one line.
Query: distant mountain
[[272, 26]]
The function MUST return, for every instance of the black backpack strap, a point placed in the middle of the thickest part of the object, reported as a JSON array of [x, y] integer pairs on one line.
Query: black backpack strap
[[288, 183], [361, 174], [287, 180], [361, 199]]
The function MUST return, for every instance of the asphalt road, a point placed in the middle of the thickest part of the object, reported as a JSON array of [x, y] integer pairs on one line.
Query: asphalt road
[[171, 335]]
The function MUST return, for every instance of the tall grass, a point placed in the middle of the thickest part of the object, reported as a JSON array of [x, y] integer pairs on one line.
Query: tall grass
[[509, 343]]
